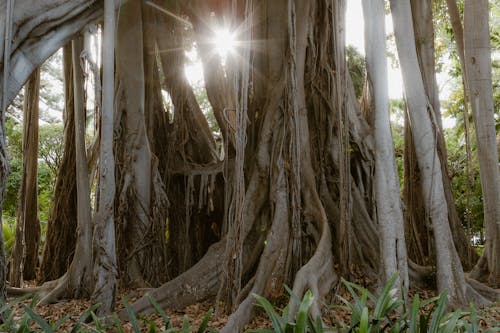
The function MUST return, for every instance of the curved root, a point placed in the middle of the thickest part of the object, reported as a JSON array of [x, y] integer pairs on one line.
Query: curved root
[[196, 284]]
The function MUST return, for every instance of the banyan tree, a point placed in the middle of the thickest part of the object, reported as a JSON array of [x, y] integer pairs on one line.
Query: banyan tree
[[305, 191]]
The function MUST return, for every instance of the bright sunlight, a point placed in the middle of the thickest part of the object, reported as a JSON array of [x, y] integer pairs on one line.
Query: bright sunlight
[[224, 42]]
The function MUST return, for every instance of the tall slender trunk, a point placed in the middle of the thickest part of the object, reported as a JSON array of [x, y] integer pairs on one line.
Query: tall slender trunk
[[60, 237], [5, 52], [389, 208], [105, 266], [479, 82], [25, 251], [449, 269], [424, 42]]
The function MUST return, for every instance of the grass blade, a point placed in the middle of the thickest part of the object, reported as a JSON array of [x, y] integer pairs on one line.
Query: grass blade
[[39, 320], [131, 314]]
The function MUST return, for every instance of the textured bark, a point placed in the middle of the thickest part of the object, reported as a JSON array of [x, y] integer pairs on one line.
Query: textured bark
[[53, 22], [479, 82], [193, 171], [105, 266], [77, 281], [449, 269], [140, 233], [61, 236], [25, 251], [389, 208], [424, 41]]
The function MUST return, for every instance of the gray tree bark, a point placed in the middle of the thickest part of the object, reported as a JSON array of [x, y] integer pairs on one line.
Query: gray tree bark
[[449, 269], [105, 266], [387, 192], [479, 82]]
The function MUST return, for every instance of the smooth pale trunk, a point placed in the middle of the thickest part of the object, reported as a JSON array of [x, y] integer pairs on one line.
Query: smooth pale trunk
[[478, 69], [389, 208], [449, 269], [105, 267]]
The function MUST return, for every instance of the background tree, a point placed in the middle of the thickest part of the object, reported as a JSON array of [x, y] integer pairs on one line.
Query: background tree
[[478, 69], [25, 252]]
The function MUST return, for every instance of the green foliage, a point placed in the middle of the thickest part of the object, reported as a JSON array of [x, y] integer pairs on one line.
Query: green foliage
[[285, 323], [357, 68], [375, 314], [9, 233], [50, 155]]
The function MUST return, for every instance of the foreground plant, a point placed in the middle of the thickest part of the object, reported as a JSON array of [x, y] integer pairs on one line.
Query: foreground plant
[[372, 314]]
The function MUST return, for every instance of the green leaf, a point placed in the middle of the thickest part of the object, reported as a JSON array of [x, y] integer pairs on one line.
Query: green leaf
[[160, 311], [451, 324], [84, 317], [303, 313], [363, 324], [473, 319], [11, 304], [39, 320], [385, 299], [414, 315], [204, 323], [185, 325], [438, 313], [276, 320], [118, 323], [131, 314], [292, 295]]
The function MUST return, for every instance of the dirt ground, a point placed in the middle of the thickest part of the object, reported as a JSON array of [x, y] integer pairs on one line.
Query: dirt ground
[[73, 309]]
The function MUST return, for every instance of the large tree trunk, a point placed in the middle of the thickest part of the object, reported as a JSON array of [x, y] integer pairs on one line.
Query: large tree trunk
[[193, 172], [389, 208], [25, 251], [424, 42], [478, 69], [450, 273], [77, 281], [60, 238], [105, 266], [6, 34], [140, 233]]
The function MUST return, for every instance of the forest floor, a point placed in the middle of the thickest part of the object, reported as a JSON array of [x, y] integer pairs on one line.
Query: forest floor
[[73, 309]]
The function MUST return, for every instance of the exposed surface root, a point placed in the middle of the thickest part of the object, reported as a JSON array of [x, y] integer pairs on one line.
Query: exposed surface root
[[317, 275], [195, 285], [476, 292]]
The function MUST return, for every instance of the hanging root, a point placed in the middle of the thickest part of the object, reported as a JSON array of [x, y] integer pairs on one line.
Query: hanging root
[[195, 285]]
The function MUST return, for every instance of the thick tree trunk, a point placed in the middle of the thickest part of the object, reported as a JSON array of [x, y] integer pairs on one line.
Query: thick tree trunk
[[105, 266], [449, 269], [193, 170], [77, 281], [479, 82], [424, 41], [61, 236], [25, 251], [389, 208], [140, 233]]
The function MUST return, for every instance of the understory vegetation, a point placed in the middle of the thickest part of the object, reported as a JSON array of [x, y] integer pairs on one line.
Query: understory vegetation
[[368, 313]]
